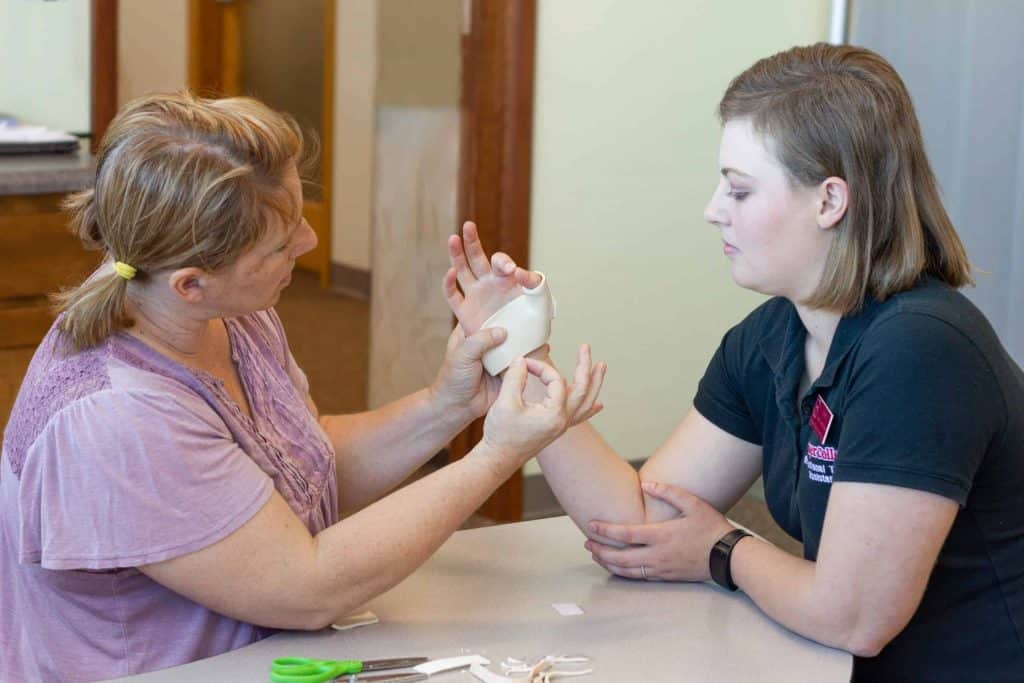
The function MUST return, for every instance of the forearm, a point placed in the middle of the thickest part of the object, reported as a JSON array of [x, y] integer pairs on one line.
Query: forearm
[[587, 477], [374, 549], [377, 450], [788, 589], [590, 480]]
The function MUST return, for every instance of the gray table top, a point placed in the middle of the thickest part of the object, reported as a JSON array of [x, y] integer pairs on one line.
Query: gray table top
[[46, 173], [490, 591]]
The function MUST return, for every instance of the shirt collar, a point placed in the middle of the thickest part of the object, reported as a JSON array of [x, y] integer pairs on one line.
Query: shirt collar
[[783, 341], [783, 335], [849, 331]]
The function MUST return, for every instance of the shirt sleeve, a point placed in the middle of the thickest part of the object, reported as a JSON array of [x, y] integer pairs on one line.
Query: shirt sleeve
[[720, 396], [126, 478], [922, 407]]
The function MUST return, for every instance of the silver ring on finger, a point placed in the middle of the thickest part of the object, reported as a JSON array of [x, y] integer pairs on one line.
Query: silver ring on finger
[[643, 571]]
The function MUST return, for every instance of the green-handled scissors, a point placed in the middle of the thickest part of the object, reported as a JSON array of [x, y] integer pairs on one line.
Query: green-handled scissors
[[305, 670]]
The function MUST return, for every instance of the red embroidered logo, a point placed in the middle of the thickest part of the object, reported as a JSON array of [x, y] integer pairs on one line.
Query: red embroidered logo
[[821, 419], [826, 453]]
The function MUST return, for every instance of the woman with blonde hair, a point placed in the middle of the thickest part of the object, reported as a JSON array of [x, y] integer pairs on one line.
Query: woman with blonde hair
[[168, 491], [876, 401]]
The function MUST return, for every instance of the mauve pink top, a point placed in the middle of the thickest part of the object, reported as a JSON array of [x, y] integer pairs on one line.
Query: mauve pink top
[[116, 457]]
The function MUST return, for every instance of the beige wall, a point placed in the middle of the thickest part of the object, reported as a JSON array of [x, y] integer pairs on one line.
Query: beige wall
[[625, 157], [355, 92], [389, 53], [152, 52], [415, 178]]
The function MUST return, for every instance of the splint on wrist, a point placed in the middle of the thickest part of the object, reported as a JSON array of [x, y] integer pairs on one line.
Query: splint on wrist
[[527, 319]]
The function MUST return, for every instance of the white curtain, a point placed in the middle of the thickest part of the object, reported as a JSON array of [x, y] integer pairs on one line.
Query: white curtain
[[963, 63]]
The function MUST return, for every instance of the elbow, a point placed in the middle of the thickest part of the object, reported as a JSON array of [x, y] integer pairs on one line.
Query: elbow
[[867, 640], [865, 647], [327, 607], [320, 603], [294, 619], [861, 626], [314, 616], [315, 620]]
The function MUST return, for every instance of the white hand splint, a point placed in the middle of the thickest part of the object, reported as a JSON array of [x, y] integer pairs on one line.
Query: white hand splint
[[527, 318]]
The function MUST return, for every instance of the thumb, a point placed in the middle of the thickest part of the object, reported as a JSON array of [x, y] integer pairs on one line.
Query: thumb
[[479, 343], [675, 496], [513, 383]]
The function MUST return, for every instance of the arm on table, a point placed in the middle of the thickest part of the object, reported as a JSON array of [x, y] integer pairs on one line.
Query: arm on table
[[294, 580], [592, 482], [869, 576], [863, 589]]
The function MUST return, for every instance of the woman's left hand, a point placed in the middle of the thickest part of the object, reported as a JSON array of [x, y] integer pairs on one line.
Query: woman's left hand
[[677, 549]]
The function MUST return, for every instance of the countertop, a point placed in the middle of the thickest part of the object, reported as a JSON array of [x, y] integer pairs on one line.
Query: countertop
[[24, 174]]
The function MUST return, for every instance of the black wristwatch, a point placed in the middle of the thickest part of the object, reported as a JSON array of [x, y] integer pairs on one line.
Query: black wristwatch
[[721, 556]]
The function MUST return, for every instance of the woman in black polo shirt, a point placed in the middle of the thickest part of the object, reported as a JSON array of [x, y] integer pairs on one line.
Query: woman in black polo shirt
[[876, 401]]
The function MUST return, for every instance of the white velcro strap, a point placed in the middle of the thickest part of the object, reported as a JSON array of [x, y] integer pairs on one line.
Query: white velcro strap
[[527, 318]]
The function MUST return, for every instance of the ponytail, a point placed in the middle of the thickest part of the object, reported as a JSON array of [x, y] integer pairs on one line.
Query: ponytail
[[95, 309], [84, 224]]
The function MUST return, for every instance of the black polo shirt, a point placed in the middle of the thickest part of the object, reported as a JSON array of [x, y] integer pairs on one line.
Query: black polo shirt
[[917, 391]]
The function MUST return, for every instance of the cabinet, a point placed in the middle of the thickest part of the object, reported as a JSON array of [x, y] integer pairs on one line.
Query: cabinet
[[38, 255]]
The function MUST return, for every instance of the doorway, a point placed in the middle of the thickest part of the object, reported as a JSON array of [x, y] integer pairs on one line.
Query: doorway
[[249, 47]]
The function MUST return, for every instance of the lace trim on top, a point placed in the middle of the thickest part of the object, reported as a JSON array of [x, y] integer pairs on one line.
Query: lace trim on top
[[283, 437]]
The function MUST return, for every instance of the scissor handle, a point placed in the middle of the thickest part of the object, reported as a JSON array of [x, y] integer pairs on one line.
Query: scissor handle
[[306, 670]]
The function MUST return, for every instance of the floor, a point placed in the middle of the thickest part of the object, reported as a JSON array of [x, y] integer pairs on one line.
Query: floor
[[329, 336]]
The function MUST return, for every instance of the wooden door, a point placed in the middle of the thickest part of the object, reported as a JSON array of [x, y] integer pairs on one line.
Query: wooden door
[[494, 171], [221, 63]]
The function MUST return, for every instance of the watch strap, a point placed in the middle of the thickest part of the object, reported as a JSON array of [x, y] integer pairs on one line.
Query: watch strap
[[720, 562]]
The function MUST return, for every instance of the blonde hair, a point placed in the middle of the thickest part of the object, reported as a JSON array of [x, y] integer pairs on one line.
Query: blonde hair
[[843, 111], [180, 181]]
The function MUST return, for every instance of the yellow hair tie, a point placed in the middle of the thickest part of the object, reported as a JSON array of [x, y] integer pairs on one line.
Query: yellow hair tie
[[124, 270]]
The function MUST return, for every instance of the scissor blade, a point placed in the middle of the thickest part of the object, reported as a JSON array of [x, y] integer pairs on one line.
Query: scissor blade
[[393, 678], [400, 663]]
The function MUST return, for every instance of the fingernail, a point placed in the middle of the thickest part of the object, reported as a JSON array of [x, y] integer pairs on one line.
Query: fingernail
[[497, 333], [648, 485], [592, 527]]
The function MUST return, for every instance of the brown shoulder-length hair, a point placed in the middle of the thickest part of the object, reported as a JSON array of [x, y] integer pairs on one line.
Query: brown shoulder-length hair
[[843, 111], [180, 181]]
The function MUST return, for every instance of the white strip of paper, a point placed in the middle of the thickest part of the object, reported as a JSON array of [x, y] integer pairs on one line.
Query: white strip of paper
[[567, 609]]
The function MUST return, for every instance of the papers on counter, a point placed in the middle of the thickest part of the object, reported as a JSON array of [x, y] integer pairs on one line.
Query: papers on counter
[[25, 139]]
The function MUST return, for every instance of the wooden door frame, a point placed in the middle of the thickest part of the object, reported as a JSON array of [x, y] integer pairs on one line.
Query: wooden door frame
[[214, 70], [103, 71], [495, 160]]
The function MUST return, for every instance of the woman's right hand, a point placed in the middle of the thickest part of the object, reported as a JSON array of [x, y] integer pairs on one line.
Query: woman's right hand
[[517, 429]]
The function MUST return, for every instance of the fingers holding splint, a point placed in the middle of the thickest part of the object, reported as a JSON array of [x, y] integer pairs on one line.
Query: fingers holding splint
[[524, 425]]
